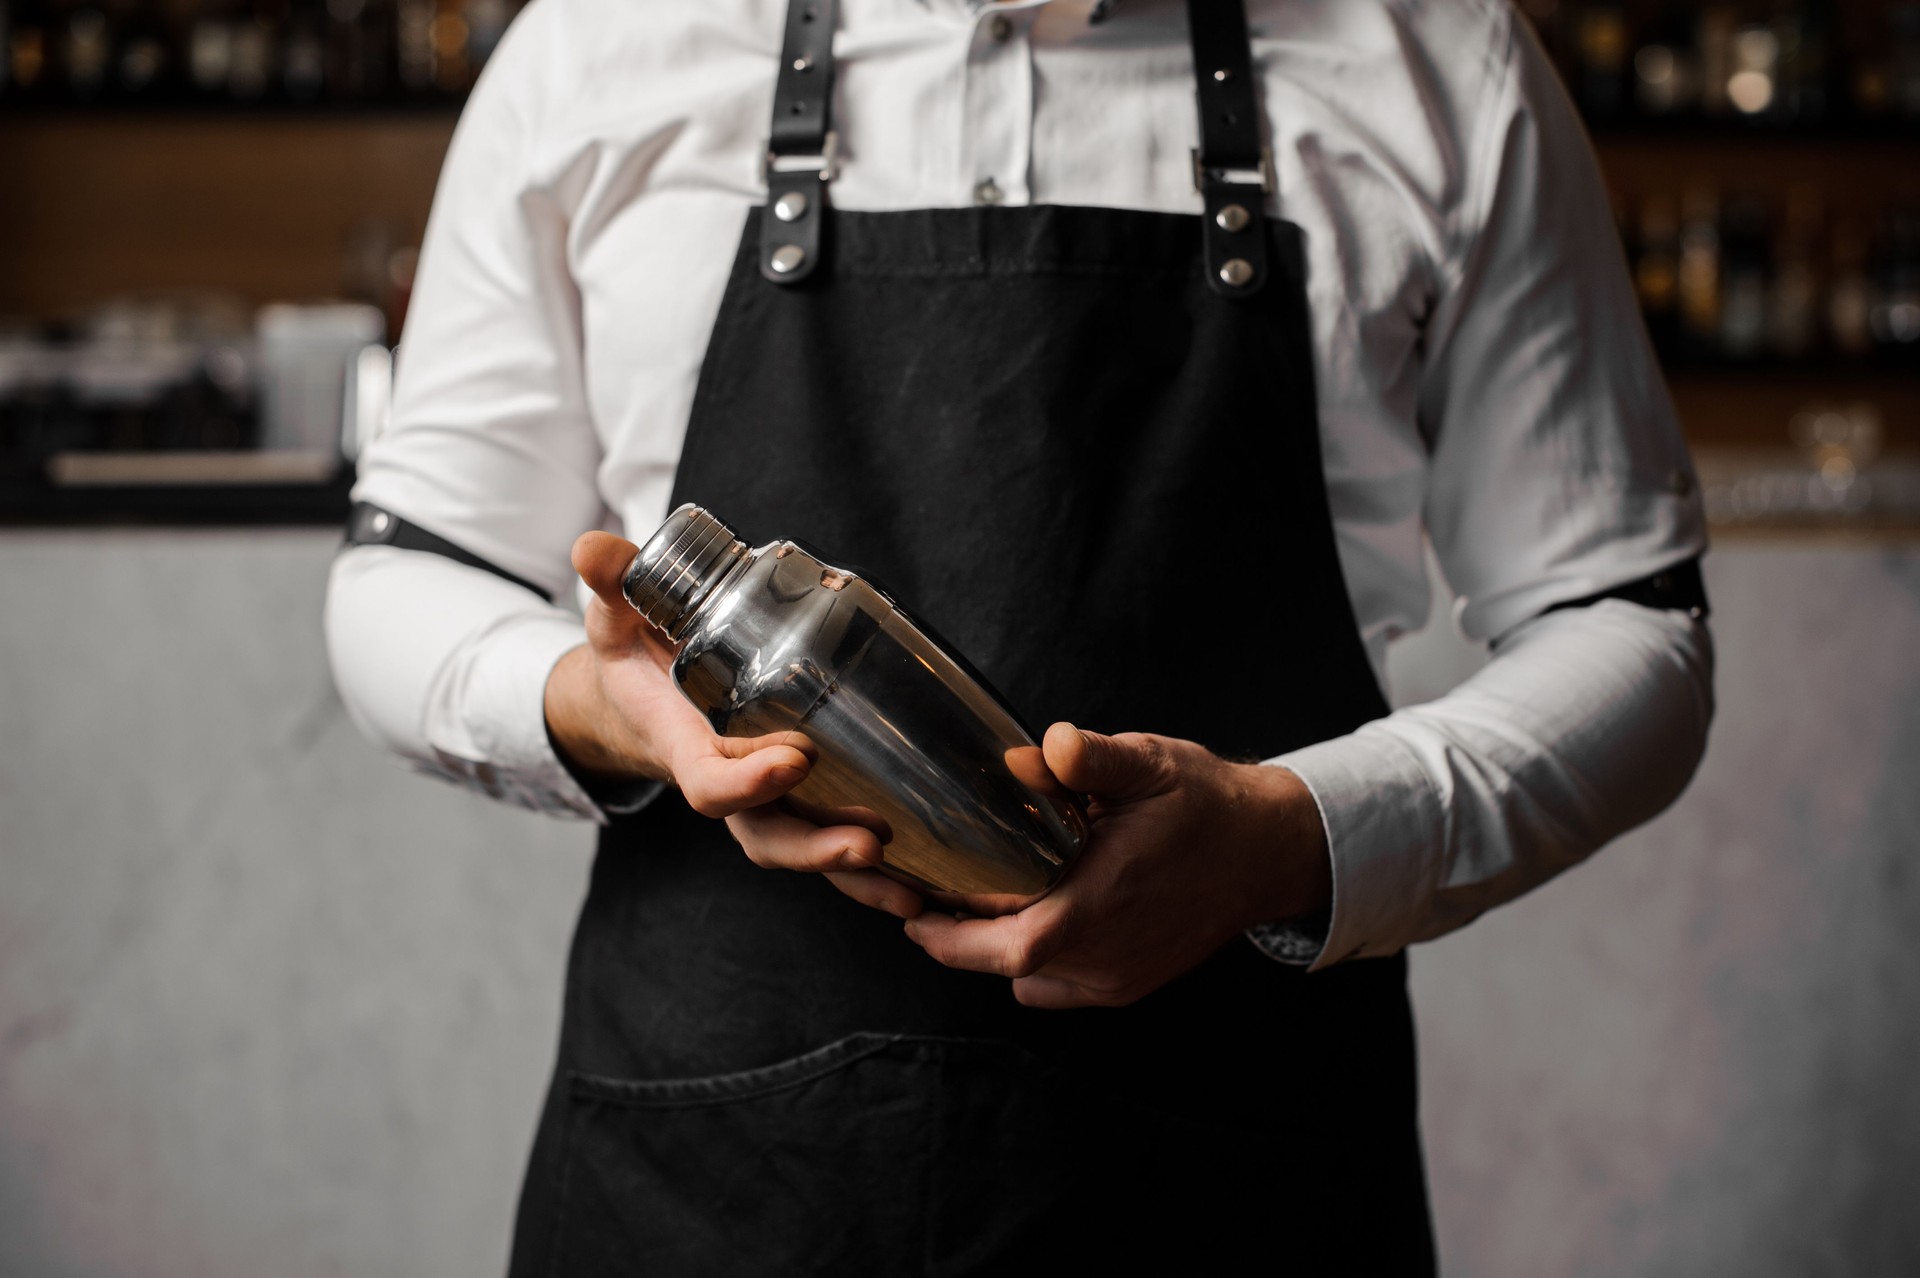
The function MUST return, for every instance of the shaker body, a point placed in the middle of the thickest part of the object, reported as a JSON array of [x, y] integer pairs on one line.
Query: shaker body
[[910, 744]]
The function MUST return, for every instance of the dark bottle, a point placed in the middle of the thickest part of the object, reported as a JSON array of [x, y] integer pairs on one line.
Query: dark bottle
[[413, 44], [360, 36], [86, 53], [210, 39], [1850, 297], [303, 57], [911, 744], [144, 62], [255, 63], [1656, 269], [1698, 292], [1793, 294], [1743, 280], [1600, 78], [30, 51], [1895, 316]]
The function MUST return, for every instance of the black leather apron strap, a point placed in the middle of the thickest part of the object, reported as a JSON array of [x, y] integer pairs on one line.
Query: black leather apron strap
[[801, 145], [1679, 589], [1232, 168], [368, 525]]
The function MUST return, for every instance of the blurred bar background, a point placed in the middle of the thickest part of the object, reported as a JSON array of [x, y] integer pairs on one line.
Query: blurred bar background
[[269, 1005]]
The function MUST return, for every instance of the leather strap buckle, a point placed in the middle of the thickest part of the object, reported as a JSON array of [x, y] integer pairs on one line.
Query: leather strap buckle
[[1260, 175], [824, 165]]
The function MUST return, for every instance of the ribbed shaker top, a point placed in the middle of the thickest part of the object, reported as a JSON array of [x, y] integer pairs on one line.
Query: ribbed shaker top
[[679, 565]]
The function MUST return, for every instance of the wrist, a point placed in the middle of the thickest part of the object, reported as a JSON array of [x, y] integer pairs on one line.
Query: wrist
[[586, 733], [1290, 872]]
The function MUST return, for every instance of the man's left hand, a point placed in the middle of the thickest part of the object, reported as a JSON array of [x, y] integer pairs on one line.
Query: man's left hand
[[1186, 851]]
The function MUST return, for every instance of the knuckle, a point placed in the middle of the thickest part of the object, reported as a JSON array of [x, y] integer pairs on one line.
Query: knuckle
[[1022, 958]]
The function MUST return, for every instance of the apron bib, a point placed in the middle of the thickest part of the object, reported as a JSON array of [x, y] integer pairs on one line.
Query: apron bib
[[1081, 444]]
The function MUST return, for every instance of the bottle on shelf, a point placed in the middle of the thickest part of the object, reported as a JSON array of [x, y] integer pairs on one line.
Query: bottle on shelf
[[1656, 268], [86, 52], [254, 64], [360, 40], [413, 42], [303, 52], [1793, 293], [448, 35], [1743, 280], [1714, 32], [1600, 83], [143, 64], [1666, 73], [1850, 297], [1895, 314], [210, 47], [1698, 284]]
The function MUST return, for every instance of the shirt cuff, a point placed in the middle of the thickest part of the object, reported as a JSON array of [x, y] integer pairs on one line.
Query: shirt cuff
[[493, 726], [1385, 830]]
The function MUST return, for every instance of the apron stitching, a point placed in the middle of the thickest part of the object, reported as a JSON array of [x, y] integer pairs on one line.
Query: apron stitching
[[560, 1198], [701, 1091]]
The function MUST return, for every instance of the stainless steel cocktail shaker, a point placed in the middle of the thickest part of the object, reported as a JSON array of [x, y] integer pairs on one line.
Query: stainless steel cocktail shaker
[[910, 744]]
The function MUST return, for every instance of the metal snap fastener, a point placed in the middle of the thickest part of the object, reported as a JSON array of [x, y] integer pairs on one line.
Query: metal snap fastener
[[790, 207], [1232, 218], [1222, 76], [381, 519], [1237, 271], [1001, 28], [803, 64], [787, 259], [987, 191]]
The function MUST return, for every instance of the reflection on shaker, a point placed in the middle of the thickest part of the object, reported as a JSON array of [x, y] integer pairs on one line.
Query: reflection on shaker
[[910, 744]]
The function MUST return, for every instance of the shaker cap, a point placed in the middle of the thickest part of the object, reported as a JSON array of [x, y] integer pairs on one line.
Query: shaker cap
[[679, 566]]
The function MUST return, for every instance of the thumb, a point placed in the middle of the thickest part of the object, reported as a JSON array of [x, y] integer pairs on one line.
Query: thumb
[[1124, 767], [601, 559]]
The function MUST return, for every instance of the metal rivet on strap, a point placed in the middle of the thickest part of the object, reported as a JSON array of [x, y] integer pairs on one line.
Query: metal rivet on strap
[[803, 64], [1222, 75], [787, 259], [790, 207], [1237, 271], [1232, 218], [379, 521]]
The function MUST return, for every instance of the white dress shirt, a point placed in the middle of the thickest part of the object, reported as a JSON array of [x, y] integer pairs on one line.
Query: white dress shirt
[[1482, 375]]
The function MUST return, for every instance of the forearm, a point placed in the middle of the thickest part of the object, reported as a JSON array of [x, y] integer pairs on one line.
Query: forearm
[[445, 666], [1586, 723]]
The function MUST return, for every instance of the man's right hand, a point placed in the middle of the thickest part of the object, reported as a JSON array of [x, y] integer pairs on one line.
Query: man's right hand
[[613, 711]]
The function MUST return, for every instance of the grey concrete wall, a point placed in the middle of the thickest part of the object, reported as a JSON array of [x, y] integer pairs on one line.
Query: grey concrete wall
[[269, 1004]]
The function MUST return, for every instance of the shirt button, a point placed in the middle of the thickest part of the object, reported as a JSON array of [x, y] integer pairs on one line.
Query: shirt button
[[987, 191], [1001, 28]]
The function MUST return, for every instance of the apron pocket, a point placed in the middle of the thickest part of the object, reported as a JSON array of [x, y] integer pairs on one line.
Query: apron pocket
[[729, 1174]]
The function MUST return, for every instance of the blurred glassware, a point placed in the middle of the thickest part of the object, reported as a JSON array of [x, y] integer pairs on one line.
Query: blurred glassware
[[304, 353]]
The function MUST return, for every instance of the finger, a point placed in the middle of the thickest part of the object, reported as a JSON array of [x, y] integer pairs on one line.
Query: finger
[[777, 840], [1054, 992], [1013, 945], [872, 888], [1028, 765], [717, 785], [1125, 767]]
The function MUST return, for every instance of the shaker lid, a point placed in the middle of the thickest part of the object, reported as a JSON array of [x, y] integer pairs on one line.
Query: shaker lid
[[679, 566]]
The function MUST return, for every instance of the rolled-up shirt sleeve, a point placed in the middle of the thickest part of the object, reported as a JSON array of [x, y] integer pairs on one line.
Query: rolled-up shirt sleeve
[[491, 447], [1556, 472]]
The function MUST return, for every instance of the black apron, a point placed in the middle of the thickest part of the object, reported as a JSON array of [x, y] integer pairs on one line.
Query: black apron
[[1080, 443]]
